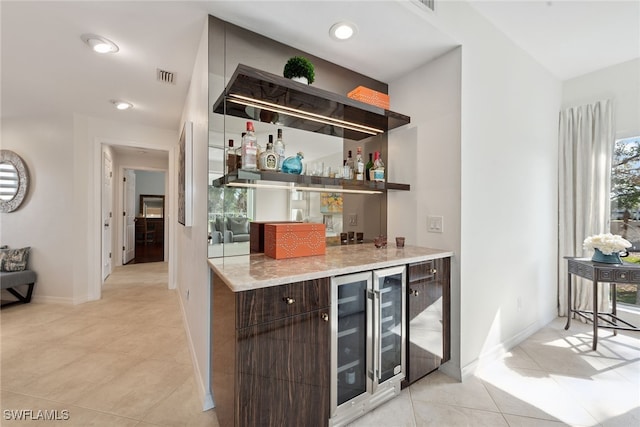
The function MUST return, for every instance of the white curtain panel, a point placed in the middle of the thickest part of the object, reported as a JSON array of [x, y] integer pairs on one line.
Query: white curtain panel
[[586, 140]]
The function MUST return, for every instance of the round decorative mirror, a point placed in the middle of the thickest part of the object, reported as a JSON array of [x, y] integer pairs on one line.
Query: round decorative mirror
[[14, 181]]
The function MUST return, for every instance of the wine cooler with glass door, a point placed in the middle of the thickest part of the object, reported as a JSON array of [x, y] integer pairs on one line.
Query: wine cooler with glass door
[[368, 332]]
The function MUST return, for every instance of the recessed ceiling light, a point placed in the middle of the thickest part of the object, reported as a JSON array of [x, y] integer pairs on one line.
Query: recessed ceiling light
[[343, 30], [99, 44], [121, 105]]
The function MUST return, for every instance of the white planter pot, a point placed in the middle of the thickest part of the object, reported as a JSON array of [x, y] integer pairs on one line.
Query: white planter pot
[[300, 80]]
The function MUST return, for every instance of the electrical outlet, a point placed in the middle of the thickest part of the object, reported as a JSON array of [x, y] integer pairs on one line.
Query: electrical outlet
[[353, 219], [434, 224]]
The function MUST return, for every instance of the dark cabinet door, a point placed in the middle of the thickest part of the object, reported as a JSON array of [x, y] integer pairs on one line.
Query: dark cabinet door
[[428, 317], [283, 372]]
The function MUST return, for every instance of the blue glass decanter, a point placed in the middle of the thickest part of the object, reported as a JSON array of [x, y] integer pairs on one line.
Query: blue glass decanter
[[293, 164]]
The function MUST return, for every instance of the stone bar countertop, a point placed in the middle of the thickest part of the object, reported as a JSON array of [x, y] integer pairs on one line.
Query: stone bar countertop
[[247, 272]]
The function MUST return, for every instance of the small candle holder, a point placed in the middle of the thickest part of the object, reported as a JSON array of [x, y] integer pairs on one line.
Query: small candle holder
[[399, 242], [380, 242]]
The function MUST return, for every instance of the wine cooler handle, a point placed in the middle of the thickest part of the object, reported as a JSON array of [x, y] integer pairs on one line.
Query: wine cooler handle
[[288, 300], [377, 325], [325, 317]]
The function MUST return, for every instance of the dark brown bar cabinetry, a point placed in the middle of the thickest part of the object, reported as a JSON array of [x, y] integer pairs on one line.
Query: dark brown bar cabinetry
[[428, 317], [270, 362]]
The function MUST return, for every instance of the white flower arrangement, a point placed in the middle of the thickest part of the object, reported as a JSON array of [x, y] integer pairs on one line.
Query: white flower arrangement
[[607, 243]]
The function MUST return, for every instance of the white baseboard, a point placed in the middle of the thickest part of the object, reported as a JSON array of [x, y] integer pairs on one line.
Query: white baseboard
[[205, 395]]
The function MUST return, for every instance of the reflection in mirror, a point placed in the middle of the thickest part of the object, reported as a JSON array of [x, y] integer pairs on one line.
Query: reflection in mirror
[[232, 209], [14, 181], [8, 181], [427, 344], [151, 206]]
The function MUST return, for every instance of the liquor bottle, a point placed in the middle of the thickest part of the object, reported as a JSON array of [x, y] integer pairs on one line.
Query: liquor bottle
[[345, 169], [269, 158], [239, 152], [232, 161], [278, 147], [249, 149], [378, 168], [350, 166], [293, 164], [368, 167], [359, 165], [261, 152]]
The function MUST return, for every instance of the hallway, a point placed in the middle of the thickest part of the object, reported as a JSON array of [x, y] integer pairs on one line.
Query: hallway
[[120, 361]]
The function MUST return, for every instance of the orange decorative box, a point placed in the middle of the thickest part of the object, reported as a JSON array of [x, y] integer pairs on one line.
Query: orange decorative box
[[294, 240], [370, 96]]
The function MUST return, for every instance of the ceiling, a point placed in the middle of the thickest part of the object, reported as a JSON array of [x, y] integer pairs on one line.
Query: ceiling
[[570, 38], [48, 71]]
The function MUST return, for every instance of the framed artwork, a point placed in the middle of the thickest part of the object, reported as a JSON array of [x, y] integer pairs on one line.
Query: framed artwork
[[185, 176], [330, 203]]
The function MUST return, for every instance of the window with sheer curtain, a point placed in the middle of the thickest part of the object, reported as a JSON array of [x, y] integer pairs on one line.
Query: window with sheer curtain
[[586, 144]]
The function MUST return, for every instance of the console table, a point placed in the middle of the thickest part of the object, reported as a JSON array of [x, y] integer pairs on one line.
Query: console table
[[599, 272]]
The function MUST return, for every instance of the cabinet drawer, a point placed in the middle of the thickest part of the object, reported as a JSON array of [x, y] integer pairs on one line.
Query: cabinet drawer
[[276, 302], [422, 271]]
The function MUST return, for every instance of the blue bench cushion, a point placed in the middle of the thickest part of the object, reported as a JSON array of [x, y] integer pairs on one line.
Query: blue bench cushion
[[9, 279]]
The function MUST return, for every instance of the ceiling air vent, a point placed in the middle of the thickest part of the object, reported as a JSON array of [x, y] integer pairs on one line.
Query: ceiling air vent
[[430, 4], [164, 76]]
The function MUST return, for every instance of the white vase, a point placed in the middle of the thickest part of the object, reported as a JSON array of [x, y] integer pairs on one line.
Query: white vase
[[300, 80]]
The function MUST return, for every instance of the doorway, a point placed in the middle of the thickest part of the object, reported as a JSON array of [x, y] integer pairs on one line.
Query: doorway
[[132, 155], [107, 214], [144, 216]]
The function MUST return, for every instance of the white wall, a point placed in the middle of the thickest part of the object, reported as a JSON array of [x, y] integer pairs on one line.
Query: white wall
[[621, 83], [193, 271], [90, 134], [45, 220], [60, 217], [426, 154], [508, 187]]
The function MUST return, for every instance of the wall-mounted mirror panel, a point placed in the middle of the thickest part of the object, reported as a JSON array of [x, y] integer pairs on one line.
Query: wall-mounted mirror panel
[[151, 206], [231, 209], [14, 181]]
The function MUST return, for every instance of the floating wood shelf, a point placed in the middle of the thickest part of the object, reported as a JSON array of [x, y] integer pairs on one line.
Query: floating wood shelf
[[247, 176], [286, 95]]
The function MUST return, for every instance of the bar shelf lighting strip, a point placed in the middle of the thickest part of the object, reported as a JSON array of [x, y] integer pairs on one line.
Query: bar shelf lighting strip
[[281, 109], [310, 189]]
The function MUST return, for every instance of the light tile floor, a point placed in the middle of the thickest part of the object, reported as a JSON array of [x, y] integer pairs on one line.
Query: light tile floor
[[120, 361], [124, 361], [551, 379]]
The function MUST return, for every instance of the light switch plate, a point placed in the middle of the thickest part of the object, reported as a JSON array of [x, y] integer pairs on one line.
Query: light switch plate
[[353, 219], [434, 224]]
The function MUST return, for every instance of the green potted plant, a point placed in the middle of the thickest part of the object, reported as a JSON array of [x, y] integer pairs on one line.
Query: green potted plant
[[299, 69]]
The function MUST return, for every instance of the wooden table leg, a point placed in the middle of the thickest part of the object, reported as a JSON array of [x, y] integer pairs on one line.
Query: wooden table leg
[[595, 315], [568, 302]]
